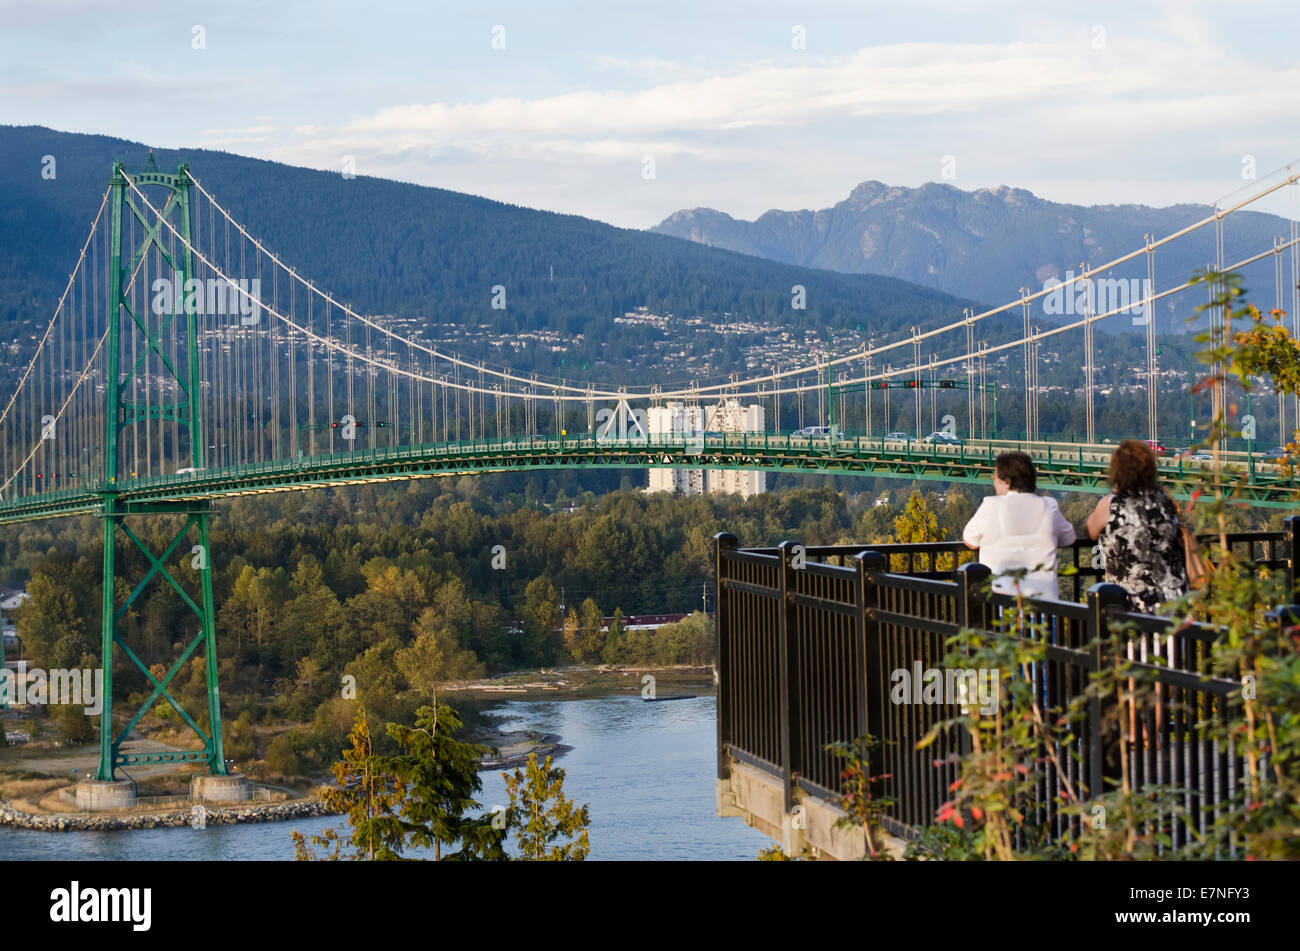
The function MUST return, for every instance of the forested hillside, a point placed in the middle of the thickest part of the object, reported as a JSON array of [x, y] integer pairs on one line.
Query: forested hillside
[[391, 248]]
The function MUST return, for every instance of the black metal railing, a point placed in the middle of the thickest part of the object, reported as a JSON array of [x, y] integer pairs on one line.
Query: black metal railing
[[809, 639], [1078, 562]]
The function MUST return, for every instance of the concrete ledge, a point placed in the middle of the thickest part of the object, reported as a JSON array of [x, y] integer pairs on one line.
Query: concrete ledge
[[219, 788], [809, 831], [94, 795]]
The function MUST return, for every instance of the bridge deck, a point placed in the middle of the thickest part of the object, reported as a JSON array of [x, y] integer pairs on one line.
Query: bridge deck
[[1076, 468]]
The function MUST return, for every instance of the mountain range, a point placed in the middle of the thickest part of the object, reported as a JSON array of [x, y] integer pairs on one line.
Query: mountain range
[[984, 244]]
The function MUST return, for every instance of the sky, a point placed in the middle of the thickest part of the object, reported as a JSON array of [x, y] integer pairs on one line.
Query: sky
[[627, 112]]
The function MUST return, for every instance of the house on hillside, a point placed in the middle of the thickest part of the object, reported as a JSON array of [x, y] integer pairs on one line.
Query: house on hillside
[[11, 598]]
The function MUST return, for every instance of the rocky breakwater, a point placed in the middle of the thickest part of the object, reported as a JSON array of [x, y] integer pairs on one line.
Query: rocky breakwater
[[211, 815]]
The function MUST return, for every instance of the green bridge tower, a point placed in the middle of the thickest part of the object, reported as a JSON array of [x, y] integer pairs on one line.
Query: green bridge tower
[[189, 547]]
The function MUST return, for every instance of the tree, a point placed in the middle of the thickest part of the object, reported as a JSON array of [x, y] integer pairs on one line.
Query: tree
[[282, 758], [541, 618], [570, 632], [434, 656], [313, 616], [368, 793], [958, 509], [918, 523], [258, 596], [74, 726], [393, 599], [590, 622], [614, 651], [49, 624], [238, 738], [541, 814], [440, 775], [689, 641]]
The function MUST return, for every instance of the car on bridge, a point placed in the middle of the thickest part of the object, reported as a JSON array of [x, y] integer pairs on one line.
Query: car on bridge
[[1159, 448], [1277, 452], [810, 432], [943, 439], [898, 437]]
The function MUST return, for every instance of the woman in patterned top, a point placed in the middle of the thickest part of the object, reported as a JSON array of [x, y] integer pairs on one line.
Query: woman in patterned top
[[1138, 530]]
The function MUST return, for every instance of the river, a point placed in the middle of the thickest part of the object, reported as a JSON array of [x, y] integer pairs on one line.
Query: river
[[645, 770]]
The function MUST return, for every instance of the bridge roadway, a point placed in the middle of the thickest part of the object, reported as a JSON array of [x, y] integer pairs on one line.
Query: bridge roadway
[[1062, 466]]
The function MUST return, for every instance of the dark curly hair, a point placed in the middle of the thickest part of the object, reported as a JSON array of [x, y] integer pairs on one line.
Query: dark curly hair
[[1133, 467], [1017, 469]]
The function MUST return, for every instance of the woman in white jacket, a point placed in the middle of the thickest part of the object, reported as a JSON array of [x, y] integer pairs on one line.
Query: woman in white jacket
[[1017, 531]]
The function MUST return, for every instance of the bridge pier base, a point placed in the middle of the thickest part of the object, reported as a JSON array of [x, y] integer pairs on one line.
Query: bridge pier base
[[96, 795], [228, 788]]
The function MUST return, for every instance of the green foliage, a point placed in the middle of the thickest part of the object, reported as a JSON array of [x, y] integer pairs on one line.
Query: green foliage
[[72, 724], [1261, 654], [918, 522], [393, 248], [52, 626], [541, 618], [858, 799], [614, 651], [547, 824], [440, 776], [774, 853], [435, 656], [237, 737], [369, 793]]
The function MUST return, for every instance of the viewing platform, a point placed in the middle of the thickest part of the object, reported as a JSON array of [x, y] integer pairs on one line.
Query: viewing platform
[[810, 640]]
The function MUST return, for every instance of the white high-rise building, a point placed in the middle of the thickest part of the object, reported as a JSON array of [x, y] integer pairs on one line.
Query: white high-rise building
[[678, 421]]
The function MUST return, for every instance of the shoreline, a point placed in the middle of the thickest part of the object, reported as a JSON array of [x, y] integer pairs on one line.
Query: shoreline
[[510, 749], [232, 814], [569, 683], [515, 755]]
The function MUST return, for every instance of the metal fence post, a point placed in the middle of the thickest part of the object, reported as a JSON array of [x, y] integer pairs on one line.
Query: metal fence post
[[1291, 532], [972, 612], [786, 658], [972, 609], [870, 719], [723, 542], [1103, 598]]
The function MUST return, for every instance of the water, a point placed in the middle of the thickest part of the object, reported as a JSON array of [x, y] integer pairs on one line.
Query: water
[[645, 770]]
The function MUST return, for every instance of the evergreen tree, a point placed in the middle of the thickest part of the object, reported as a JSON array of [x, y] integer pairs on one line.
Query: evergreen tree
[[614, 651], [918, 522], [590, 621], [368, 793], [440, 775], [541, 618], [548, 826]]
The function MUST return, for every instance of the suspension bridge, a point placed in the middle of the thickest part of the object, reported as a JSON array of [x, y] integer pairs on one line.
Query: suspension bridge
[[186, 362]]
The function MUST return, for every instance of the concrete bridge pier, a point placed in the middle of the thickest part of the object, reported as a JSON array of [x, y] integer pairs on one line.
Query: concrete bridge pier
[[232, 788], [96, 795]]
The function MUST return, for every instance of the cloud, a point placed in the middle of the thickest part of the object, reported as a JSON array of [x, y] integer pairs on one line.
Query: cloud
[[1151, 79]]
